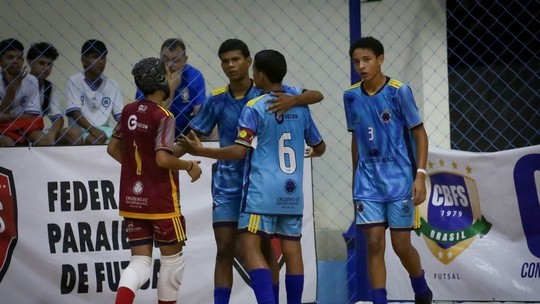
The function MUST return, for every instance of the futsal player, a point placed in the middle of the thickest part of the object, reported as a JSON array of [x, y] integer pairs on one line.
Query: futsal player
[[143, 142], [223, 109], [272, 203], [389, 179]]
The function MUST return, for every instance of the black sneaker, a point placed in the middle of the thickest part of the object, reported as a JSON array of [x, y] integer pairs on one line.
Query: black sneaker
[[424, 298]]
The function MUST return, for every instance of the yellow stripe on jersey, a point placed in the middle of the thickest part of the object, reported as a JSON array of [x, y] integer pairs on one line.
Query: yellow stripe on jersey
[[254, 100], [395, 83], [416, 224], [180, 233], [254, 221], [165, 110], [219, 91], [148, 216], [356, 85], [176, 199]]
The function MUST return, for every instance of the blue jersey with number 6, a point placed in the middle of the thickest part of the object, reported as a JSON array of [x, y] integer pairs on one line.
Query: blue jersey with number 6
[[275, 165]]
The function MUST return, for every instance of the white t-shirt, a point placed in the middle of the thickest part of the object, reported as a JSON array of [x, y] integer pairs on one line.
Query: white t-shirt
[[26, 99], [96, 106]]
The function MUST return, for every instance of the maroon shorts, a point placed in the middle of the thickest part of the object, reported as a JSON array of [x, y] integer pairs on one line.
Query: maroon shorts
[[163, 232]]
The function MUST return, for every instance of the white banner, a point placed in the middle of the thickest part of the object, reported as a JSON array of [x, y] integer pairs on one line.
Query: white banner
[[61, 239], [480, 239]]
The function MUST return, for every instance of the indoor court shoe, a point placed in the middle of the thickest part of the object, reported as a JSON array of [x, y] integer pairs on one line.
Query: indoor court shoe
[[424, 298]]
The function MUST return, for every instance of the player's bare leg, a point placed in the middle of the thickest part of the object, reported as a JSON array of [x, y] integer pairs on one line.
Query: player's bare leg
[[259, 273], [375, 237], [294, 263], [410, 259], [225, 237]]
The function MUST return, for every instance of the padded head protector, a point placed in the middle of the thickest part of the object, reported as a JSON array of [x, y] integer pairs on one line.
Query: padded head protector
[[150, 75]]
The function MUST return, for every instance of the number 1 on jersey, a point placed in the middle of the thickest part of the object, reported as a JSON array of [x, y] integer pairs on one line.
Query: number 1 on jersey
[[138, 159]]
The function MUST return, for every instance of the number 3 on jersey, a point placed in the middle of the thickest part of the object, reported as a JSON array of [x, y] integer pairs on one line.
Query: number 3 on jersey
[[370, 133], [286, 153]]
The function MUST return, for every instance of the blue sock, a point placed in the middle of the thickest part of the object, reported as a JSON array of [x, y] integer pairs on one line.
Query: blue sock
[[294, 285], [222, 295], [261, 282], [275, 288], [419, 285], [378, 296]]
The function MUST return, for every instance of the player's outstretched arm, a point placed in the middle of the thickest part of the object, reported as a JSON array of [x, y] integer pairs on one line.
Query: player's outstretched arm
[[114, 148], [284, 102], [193, 145], [166, 160]]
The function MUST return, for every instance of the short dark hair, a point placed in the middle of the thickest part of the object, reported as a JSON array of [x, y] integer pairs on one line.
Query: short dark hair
[[230, 45], [94, 46], [10, 44], [272, 63], [368, 43], [173, 43], [44, 49]]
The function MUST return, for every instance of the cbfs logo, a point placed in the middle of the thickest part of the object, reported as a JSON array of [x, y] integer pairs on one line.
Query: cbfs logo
[[8, 220], [451, 218]]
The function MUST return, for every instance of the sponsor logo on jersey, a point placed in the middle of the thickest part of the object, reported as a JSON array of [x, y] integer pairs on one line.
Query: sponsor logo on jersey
[[451, 217], [279, 118], [8, 220]]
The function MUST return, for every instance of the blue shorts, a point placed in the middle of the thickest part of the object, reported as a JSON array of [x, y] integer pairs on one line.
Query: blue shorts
[[397, 214], [225, 213], [282, 226]]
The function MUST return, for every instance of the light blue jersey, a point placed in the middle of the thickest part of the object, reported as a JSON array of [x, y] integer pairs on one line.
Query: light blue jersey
[[223, 109], [380, 124], [275, 166]]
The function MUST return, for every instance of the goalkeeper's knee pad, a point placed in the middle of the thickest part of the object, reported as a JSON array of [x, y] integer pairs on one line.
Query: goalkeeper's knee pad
[[137, 272], [170, 276]]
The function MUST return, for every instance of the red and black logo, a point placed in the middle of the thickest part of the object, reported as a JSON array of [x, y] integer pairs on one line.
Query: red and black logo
[[8, 219], [242, 269]]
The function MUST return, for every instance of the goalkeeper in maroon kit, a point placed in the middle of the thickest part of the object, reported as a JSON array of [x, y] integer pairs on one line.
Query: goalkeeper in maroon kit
[[143, 142]]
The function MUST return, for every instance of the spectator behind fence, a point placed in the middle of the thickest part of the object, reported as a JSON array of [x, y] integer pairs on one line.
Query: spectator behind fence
[[92, 96], [263, 214], [20, 120], [388, 180], [40, 58], [222, 109], [187, 83]]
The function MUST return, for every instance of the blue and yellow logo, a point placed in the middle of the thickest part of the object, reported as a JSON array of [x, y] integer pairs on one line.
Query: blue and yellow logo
[[451, 218]]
